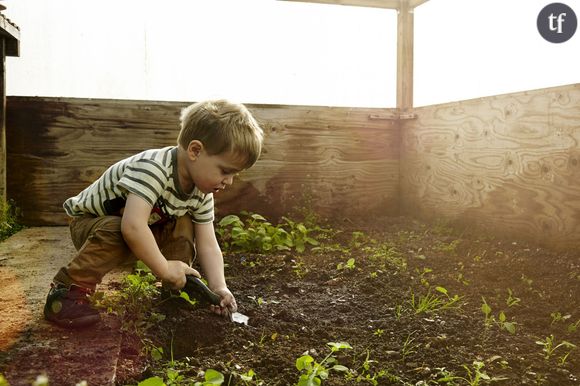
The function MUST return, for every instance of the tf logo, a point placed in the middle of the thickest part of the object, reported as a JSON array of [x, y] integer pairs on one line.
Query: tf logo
[[557, 22]]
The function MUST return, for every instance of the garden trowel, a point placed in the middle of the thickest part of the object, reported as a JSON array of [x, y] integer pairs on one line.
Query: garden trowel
[[196, 288]]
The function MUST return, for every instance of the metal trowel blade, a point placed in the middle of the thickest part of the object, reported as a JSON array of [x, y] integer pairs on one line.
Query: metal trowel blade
[[236, 317]]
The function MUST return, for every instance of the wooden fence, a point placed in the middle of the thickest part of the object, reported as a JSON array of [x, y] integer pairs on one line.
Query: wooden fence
[[510, 163], [340, 162]]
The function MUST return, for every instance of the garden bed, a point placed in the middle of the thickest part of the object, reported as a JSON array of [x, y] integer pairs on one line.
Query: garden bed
[[419, 304]]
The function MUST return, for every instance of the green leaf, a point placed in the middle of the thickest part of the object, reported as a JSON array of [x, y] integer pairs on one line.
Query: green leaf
[[256, 216], [214, 377], [502, 317], [335, 346], [304, 362], [340, 368], [153, 381], [511, 327], [443, 290], [228, 220]]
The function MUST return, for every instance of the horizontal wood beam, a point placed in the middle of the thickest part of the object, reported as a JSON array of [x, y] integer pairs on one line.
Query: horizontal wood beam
[[415, 3], [389, 4]]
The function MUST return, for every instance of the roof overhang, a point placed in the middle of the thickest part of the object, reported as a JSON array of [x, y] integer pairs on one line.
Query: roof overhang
[[388, 4], [11, 34]]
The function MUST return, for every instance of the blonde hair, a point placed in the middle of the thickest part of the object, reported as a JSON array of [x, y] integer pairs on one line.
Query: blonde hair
[[222, 126]]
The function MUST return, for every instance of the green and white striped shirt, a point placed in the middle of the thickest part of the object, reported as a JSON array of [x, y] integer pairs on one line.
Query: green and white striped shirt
[[152, 175]]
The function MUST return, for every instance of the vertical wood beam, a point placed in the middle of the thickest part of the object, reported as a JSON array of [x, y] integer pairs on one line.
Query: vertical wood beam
[[405, 57], [2, 119]]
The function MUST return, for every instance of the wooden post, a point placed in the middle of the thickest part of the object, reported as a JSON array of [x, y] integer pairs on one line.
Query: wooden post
[[2, 120], [405, 57]]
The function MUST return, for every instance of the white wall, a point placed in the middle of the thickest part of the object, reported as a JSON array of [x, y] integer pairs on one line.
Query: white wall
[[261, 51], [473, 48], [267, 51]]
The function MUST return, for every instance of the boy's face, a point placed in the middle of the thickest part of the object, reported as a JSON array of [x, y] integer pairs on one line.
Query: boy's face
[[211, 173]]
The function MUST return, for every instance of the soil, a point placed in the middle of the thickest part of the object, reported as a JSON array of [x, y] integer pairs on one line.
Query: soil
[[297, 303]]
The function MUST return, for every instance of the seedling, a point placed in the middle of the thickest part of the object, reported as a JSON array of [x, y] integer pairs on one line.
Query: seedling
[[256, 234], [512, 300], [501, 321], [378, 332], [549, 348], [475, 375], [348, 265], [313, 372], [572, 327], [432, 302], [558, 317], [408, 346]]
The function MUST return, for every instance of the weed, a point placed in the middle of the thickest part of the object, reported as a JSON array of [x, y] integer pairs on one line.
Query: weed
[[313, 372], [398, 312], [364, 373], [447, 248], [558, 317], [572, 327], [299, 268], [501, 320], [511, 299], [386, 255], [409, 347], [349, 265], [474, 375], [433, 302], [8, 219], [379, 332], [549, 348], [486, 309], [133, 304]]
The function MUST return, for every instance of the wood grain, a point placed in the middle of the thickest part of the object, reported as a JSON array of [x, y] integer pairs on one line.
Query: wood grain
[[510, 163], [335, 161]]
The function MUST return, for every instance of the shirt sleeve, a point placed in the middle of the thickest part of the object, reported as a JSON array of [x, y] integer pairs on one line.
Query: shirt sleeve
[[204, 213], [145, 178]]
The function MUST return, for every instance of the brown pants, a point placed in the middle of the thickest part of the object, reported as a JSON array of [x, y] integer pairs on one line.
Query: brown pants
[[101, 247]]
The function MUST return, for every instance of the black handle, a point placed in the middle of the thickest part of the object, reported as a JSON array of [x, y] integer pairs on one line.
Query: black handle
[[194, 287]]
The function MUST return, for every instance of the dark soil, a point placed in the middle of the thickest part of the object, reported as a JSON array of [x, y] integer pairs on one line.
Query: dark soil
[[297, 303]]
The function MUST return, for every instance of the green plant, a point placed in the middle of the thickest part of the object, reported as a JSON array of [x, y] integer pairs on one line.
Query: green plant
[[549, 348], [572, 327], [256, 234], [8, 220], [366, 373], [133, 303], [558, 317], [512, 300], [433, 302], [408, 346], [313, 372], [448, 248], [486, 309], [349, 265], [501, 320], [398, 311], [474, 376]]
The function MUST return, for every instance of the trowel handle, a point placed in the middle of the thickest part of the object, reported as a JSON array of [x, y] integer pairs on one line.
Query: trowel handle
[[199, 290]]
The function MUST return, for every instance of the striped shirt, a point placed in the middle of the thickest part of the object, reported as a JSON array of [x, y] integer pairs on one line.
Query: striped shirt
[[151, 175]]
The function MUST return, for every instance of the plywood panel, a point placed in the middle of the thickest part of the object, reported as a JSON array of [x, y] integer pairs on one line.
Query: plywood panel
[[336, 161], [509, 162]]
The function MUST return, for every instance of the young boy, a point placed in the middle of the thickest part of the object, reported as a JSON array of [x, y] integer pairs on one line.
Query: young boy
[[157, 206]]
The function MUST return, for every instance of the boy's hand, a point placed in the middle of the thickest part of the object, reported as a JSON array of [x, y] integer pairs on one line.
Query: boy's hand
[[228, 303], [175, 274]]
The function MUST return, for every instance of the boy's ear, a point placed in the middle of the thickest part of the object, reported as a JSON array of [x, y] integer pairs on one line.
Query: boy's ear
[[194, 149]]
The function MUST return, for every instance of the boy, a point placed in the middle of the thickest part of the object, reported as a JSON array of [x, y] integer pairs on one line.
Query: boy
[[157, 206]]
